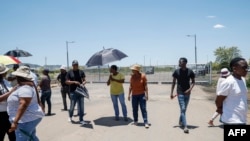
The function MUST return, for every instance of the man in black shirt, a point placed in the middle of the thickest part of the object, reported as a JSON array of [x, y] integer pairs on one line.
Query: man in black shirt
[[183, 75], [64, 87], [75, 78]]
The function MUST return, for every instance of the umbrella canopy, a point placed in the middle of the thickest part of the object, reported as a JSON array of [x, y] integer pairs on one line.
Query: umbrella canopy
[[105, 56], [18, 53], [7, 60]]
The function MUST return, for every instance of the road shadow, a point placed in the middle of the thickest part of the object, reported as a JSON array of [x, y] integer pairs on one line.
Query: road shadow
[[110, 121], [188, 126], [88, 125]]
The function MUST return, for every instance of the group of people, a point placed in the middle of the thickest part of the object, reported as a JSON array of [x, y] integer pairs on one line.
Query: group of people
[[231, 92], [22, 109]]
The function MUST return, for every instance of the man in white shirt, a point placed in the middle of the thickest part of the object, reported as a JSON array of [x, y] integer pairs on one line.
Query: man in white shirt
[[231, 101]]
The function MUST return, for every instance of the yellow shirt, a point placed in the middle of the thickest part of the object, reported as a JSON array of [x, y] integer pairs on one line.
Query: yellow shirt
[[116, 88]]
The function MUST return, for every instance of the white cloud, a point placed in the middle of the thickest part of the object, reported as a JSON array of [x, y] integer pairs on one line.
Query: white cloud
[[218, 26], [211, 17]]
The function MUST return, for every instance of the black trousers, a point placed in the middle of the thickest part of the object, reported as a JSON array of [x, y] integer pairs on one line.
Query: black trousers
[[5, 126]]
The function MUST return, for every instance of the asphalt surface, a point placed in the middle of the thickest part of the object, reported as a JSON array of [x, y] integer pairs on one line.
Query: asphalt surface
[[163, 115]]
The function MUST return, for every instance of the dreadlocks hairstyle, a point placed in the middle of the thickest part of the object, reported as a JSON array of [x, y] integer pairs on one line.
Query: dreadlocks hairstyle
[[234, 62]]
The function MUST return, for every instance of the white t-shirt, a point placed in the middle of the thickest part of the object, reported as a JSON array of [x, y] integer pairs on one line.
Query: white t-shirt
[[218, 87], [33, 110], [235, 104], [3, 104]]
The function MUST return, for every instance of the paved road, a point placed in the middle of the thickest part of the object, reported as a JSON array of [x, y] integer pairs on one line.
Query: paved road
[[163, 116]]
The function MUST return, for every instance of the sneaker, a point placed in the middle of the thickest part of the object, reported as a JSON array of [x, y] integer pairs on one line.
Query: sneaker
[[117, 118], [186, 130], [83, 122], [211, 123], [146, 125], [70, 119], [135, 123], [125, 119]]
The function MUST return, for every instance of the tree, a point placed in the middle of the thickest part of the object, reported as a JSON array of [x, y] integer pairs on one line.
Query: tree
[[224, 55]]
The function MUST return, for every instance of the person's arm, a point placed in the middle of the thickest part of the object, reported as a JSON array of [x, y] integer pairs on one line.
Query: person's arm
[[219, 102], [108, 82], [172, 88], [23, 104], [130, 90], [116, 80], [188, 91], [83, 81], [146, 90], [6, 95]]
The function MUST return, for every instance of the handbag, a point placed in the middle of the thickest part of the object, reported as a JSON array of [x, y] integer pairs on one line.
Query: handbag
[[82, 90]]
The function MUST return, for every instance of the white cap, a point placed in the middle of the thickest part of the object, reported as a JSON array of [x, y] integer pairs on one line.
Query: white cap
[[63, 67]]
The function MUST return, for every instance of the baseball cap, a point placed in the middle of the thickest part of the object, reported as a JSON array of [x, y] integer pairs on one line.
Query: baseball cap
[[75, 62]]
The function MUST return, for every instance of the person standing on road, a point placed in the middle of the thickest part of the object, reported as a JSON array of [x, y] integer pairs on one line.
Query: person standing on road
[[45, 87], [139, 91], [183, 75], [75, 78], [224, 73], [5, 90], [116, 80], [64, 87], [231, 101], [23, 107]]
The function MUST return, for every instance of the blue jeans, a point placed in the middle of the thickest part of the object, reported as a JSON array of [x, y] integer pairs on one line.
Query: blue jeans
[[46, 96], [76, 98], [136, 101], [121, 98], [27, 131], [183, 100]]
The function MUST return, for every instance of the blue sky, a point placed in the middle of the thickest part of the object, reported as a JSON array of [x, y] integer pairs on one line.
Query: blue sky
[[150, 32]]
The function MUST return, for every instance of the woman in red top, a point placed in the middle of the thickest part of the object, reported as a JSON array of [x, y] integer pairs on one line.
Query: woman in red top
[[139, 90]]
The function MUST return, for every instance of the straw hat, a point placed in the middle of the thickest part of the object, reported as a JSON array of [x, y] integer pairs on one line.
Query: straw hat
[[24, 72], [3, 68], [136, 67], [224, 72]]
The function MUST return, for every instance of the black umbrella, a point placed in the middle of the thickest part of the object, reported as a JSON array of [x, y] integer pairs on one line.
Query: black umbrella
[[105, 56], [18, 53]]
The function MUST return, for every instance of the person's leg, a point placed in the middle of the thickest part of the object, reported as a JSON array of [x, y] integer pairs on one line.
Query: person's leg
[[182, 120], [27, 131], [115, 105], [143, 107], [123, 105], [73, 101], [80, 101], [48, 99], [135, 103], [186, 101], [5, 126], [43, 98], [64, 93]]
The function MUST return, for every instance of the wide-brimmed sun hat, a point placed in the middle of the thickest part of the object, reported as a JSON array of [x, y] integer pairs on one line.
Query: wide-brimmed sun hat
[[63, 67], [24, 72], [224, 72], [3, 68], [136, 67]]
